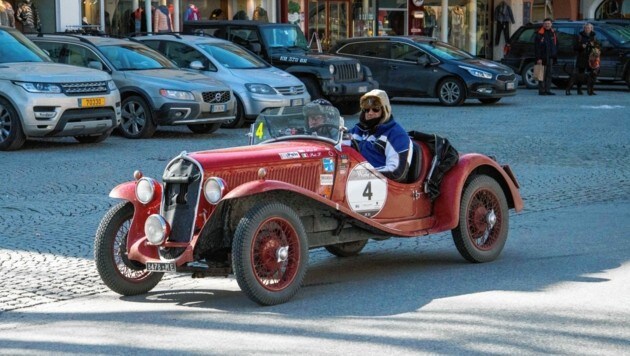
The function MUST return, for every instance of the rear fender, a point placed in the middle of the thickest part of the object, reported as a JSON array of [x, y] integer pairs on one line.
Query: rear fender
[[446, 206]]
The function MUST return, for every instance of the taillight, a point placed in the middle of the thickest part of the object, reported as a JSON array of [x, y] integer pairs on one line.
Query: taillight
[[506, 49]]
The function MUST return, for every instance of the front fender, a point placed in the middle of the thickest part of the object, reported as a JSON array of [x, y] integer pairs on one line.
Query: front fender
[[263, 186], [447, 206], [321, 73]]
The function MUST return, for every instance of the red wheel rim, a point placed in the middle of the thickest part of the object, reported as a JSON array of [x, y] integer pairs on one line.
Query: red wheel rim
[[124, 266], [275, 254], [483, 234]]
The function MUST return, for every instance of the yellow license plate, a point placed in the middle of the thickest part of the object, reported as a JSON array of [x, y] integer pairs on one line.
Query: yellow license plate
[[91, 102]]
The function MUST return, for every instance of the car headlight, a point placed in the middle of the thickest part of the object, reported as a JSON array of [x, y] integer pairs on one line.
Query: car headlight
[[111, 85], [358, 67], [331, 69], [260, 88], [477, 72], [145, 189], [213, 190], [156, 229], [40, 87], [177, 94]]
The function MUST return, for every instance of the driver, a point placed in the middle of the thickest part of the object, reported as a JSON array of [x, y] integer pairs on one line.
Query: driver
[[320, 118]]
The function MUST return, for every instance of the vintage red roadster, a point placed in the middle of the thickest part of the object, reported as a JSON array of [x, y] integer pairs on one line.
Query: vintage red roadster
[[255, 211]]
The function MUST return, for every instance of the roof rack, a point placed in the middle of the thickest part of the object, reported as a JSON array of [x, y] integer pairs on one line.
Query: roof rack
[[136, 34]]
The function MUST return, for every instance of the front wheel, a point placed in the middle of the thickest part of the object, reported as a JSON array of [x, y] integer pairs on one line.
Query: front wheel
[[137, 119], [11, 135], [270, 253], [239, 116], [483, 220], [204, 128], [312, 86], [451, 92], [347, 249], [489, 100], [528, 76], [120, 274]]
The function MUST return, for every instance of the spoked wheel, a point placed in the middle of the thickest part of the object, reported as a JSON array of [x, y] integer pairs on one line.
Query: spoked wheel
[[137, 120], [120, 274], [483, 220], [347, 249], [270, 253], [11, 135], [451, 92]]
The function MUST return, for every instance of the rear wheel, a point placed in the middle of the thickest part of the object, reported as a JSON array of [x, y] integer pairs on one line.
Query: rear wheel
[[11, 135], [528, 76], [239, 116], [451, 92], [312, 86], [204, 128], [137, 119], [489, 100], [483, 220], [120, 274], [347, 249]]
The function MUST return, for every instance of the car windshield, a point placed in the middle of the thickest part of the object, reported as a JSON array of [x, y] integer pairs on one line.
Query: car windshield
[[15, 48], [444, 51], [619, 34], [232, 56], [134, 57], [289, 37], [297, 123]]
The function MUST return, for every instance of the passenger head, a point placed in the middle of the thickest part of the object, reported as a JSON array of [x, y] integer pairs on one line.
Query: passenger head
[[318, 112], [375, 108], [588, 27]]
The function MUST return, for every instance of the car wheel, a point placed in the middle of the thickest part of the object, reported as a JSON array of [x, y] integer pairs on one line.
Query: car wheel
[[239, 116], [92, 138], [270, 253], [528, 76], [11, 135], [451, 92], [137, 120], [120, 274], [348, 107], [489, 100], [312, 86], [346, 249], [483, 220], [204, 128]]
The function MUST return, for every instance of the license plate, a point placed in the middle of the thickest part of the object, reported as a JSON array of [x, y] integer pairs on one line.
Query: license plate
[[297, 102], [91, 102], [363, 89], [218, 108], [509, 86], [161, 266]]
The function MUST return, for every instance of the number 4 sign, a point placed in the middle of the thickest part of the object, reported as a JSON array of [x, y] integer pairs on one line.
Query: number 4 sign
[[366, 190]]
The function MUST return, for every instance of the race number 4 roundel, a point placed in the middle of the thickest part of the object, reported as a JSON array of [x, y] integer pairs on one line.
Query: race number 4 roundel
[[366, 190]]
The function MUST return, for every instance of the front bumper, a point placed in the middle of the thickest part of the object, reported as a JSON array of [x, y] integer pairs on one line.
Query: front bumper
[[498, 88], [332, 88], [194, 113], [254, 104]]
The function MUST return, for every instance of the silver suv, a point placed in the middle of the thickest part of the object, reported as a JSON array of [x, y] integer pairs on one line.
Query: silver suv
[[153, 90], [256, 84], [39, 98]]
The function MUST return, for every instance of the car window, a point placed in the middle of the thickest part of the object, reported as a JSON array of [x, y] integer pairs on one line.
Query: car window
[[79, 55], [444, 50], [284, 36], [405, 52], [377, 49], [134, 57], [232, 56], [618, 33], [526, 36], [14, 47], [183, 55], [566, 38]]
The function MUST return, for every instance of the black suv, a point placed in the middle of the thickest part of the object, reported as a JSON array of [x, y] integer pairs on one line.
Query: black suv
[[614, 41], [341, 80]]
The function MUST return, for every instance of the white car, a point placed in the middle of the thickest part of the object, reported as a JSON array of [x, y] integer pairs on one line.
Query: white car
[[256, 84]]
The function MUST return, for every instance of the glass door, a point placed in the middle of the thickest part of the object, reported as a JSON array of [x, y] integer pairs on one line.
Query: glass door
[[328, 21]]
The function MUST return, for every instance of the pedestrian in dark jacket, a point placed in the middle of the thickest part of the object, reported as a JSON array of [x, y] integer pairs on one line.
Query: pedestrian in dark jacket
[[546, 50], [584, 44]]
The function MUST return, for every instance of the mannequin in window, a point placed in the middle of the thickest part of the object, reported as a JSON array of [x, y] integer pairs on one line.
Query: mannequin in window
[[457, 26], [162, 21], [240, 15], [260, 14], [503, 16], [429, 21], [192, 13], [217, 14], [7, 15], [138, 21], [28, 15]]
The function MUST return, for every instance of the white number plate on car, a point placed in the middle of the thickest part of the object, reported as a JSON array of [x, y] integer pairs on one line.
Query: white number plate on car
[[509, 86], [161, 266], [362, 89], [218, 108], [297, 102]]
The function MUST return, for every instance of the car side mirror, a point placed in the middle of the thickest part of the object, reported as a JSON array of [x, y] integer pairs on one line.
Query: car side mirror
[[196, 65], [95, 65], [423, 60]]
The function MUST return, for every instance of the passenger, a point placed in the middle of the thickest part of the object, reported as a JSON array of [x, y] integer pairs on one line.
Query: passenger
[[321, 119], [380, 139]]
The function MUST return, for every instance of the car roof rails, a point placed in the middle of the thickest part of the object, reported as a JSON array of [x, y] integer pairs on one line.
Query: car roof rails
[[67, 34], [137, 34]]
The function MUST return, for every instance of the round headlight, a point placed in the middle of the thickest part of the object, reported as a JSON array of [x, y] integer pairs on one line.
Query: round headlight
[[213, 189], [331, 68], [358, 67], [155, 229], [145, 188]]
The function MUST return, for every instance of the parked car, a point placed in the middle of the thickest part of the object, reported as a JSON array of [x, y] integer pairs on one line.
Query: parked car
[[341, 80], [256, 84], [39, 98], [614, 43], [417, 66], [154, 91], [256, 210]]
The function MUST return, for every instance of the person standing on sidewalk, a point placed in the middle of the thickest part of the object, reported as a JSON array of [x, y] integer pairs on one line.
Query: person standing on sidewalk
[[546, 49]]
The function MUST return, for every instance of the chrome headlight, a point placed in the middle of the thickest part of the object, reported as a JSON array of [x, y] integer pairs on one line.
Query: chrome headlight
[[145, 189], [259, 88], [477, 72], [111, 85], [40, 87], [156, 229], [358, 67], [331, 69], [177, 94], [213, 190]]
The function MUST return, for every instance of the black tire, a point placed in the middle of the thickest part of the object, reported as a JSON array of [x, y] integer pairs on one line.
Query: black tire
[[312, 87], [137, 118], [120, 274], [477, 237], [489, 100], [528, 76], [92, 138], [451, 92], [347, 249], [239, 116], [349, 107], [11, 134], [204, 128], [270, 253]]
